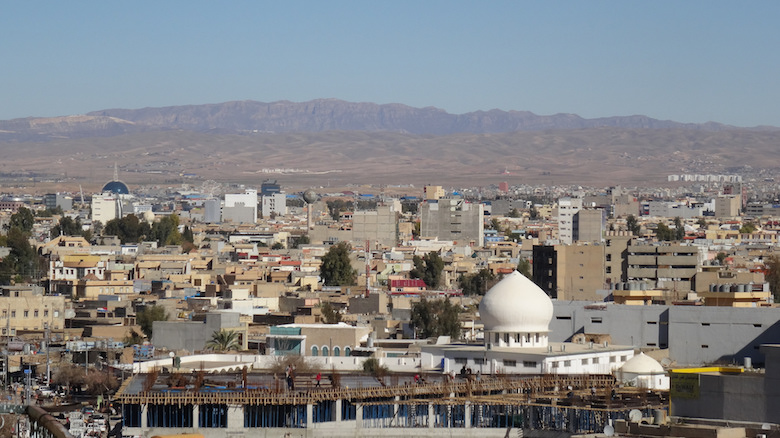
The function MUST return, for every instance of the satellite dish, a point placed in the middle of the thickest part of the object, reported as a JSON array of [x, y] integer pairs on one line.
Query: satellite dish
[[635, 416], [665, 362], [609, 430]]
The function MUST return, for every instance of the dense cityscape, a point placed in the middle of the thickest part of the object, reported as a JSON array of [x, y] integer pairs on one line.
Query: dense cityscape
[[212, 307]]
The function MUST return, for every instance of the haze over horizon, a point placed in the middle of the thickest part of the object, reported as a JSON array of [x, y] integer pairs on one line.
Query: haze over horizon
[[690, 62]]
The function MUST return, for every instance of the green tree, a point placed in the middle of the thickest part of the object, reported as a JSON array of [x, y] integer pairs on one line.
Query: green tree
[[702, 222], [533, 213], [128, 229], [514, 213], [298, 241], [747, 228], [721, 258], [187, 235], [329, 314], [67, 227], [432, 318], [336, 269], [336, 206], [146, 318], [664, 233], [224, 340], [477, 283], [679, 229], [495, 224], [166, 231], [22, 263], [374, 367], [524, 267], [772, 275], [277, 245], [633, 225], [428, 268], [22, 219]]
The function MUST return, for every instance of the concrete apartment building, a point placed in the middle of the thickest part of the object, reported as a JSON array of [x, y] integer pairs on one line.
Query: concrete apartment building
[[24, 308], [589, 225], [378, 226], [453, 219], [727, 206], [615, 256], [569, 272], [240, 207], [567, 208], [666, 266]]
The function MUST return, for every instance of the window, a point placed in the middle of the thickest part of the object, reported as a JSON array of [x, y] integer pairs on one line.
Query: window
[[315, 351], [705, 346], [705, 324], [652, 322], [609, 257], [479, 361], [623, 358], [5, 313], [553, 365], [510, 363], [585, 361], [13, 314], [45, 313], [461, 360], [567, 363], [498, 338], [35, 313], [568, 318], [595, 361], [347, 351], [609, 269], [325, 351], [529, 364], [757, 325], [336, 351], [506, 338], [595, 320], [517, 337], [612, 359]]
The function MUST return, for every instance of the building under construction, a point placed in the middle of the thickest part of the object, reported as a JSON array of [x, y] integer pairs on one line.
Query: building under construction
[[249, 404]]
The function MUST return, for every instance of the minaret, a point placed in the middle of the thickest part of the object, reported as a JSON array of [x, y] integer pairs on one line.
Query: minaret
[[116, 172]]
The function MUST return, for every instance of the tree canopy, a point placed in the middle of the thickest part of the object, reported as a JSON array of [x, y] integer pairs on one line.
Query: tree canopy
[[128, 229], [772, 265], [23, 262], [432, 318], [329, 314], [633, 224], [428, 268], [477, 283], [146, 318], [22, 219], [336, 269]]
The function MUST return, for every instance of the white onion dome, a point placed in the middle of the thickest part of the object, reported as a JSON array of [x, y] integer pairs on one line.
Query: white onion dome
[[516, 304], [642, 364]]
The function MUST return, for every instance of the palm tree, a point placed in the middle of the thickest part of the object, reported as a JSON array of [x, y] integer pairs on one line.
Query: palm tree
[[224, 340]]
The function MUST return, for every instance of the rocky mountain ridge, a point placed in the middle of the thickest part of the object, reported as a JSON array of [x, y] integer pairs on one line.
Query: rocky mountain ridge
[[241, 117]]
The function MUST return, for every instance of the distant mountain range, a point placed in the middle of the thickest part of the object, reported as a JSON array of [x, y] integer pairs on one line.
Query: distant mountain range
[[315, 116]]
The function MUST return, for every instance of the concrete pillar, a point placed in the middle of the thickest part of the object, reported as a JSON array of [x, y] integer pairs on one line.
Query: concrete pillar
[[396, 406], [235, 418], [144, 421], [309, 415], [467, 415], [195, 415], [337, 414], [431, 416], [359, 416]]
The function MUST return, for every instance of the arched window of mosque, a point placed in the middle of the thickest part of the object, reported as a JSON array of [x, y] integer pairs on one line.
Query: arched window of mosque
[[347, 351], [325, 351], [336, 351], [315, 351]]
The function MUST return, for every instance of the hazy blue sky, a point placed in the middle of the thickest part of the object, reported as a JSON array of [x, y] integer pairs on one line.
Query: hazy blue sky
[[690, 61]]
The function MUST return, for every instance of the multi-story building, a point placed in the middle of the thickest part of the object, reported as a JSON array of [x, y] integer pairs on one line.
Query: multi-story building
[[569, 272], [567, 208], [727, 206], [24, 308], [453, 219], [274, 204], [432, 193], [241, 207], [377, 226], [666, 266], [589, 225]]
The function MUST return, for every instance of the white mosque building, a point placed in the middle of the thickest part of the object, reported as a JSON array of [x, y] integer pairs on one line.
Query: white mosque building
[[516, 315]]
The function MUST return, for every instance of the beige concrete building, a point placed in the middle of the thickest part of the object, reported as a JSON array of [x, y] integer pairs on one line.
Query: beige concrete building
[[665, 266], [570, 272], [727, 206], [24, 308], [433, 192]]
